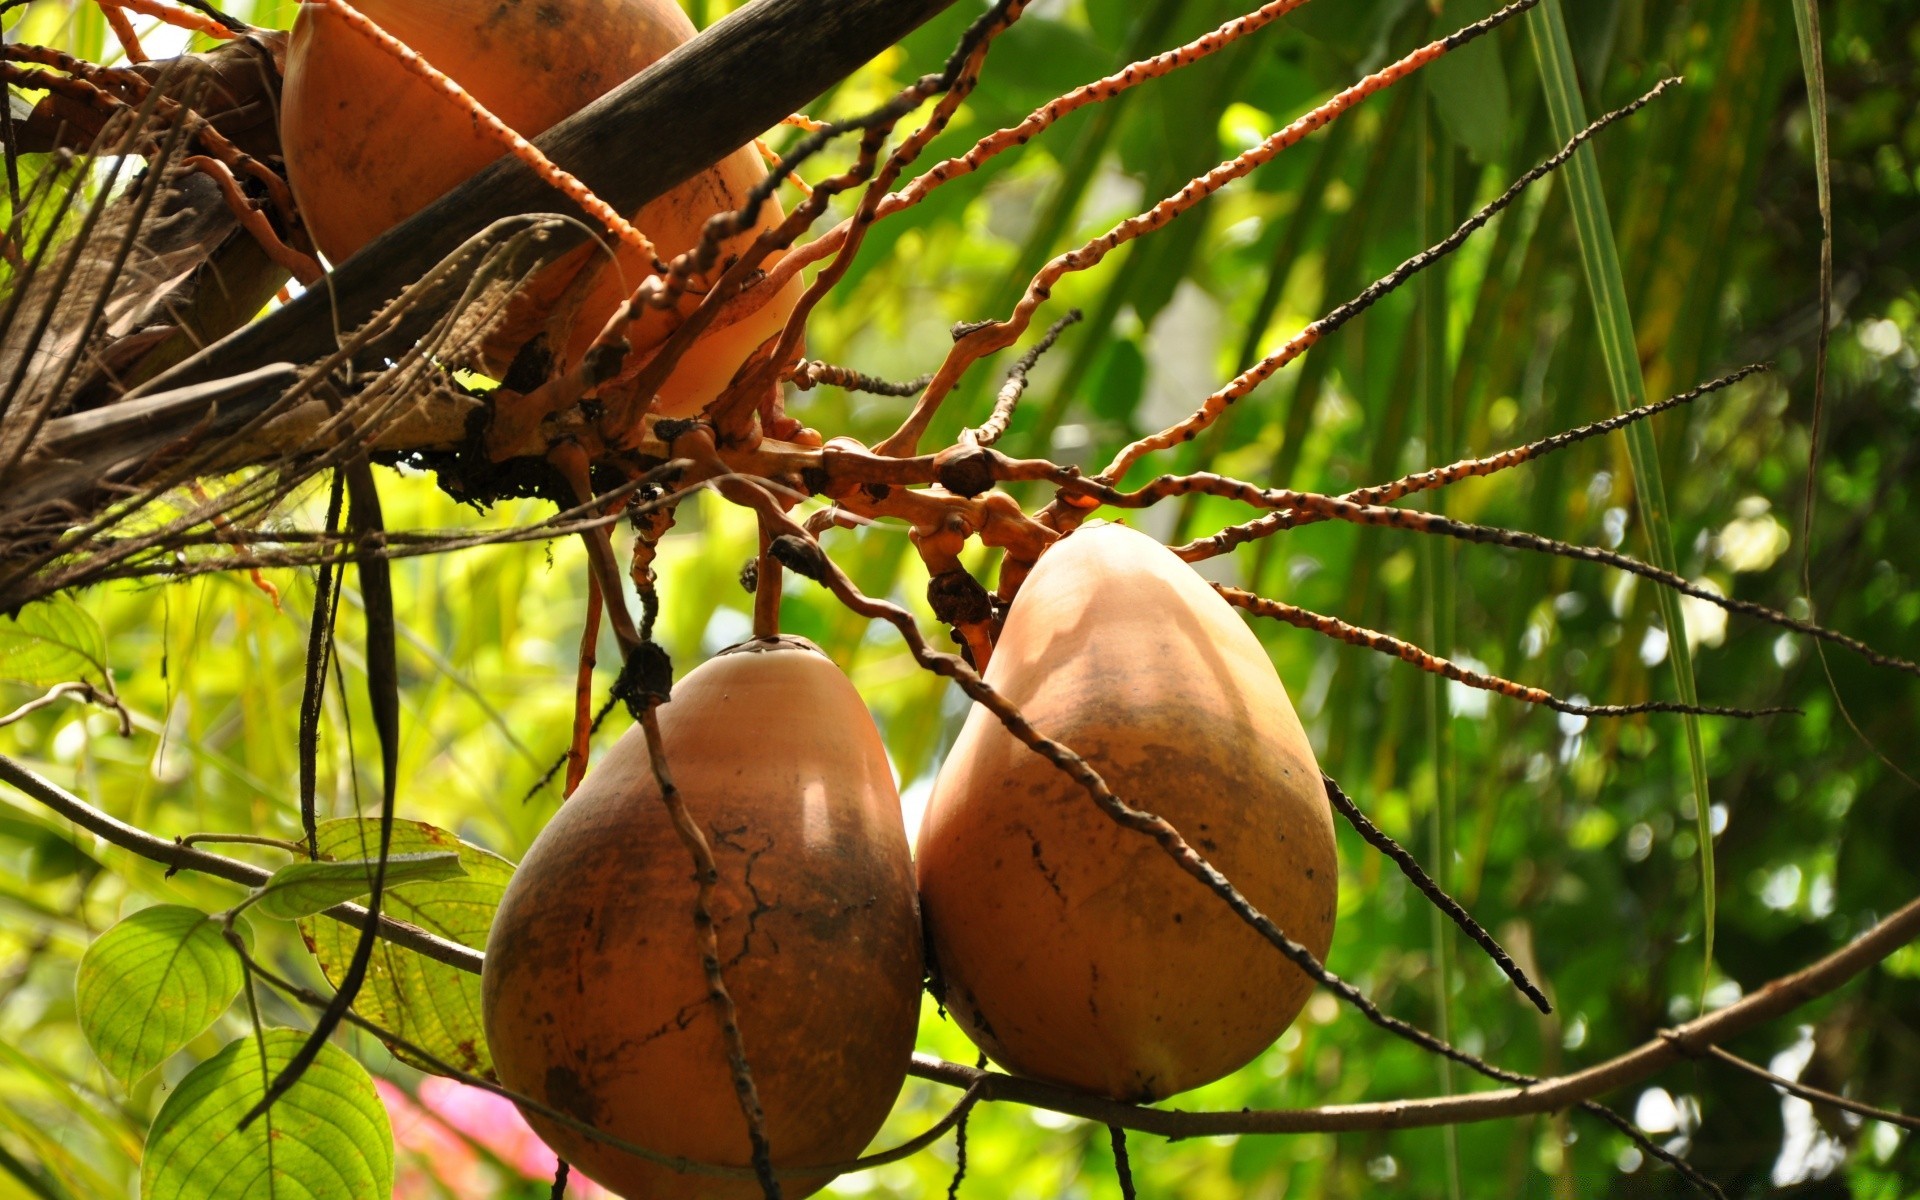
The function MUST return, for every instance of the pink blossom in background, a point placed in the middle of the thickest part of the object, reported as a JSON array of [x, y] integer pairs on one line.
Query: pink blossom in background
[[436, 1160]]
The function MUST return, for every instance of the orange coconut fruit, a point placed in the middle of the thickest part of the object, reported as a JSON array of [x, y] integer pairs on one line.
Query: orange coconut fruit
[[1074, 950], [594, 994], [368, 143]]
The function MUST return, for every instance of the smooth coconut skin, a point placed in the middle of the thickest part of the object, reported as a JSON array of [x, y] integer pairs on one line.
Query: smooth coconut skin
[[594, 997], [1076, 951], [368, 144]]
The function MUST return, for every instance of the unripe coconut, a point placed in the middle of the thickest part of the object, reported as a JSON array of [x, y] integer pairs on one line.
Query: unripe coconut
[[1076, 951], [594, 995], [368, 143]]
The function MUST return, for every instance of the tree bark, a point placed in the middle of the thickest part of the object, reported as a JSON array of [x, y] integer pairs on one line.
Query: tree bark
[[715, 94]]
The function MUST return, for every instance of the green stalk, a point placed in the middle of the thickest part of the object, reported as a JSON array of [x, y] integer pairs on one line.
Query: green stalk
[[1606, 284], [1806, 23], [1436, 560]]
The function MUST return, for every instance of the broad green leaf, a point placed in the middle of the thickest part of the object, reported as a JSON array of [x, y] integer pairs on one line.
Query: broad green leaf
[[304, 888], [432, 1005], [328, 1138], [52, 641], [153, 983], [1607, 284]]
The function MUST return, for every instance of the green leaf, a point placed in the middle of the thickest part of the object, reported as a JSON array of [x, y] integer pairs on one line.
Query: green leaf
[[1607, 285], [1469, 85], [304, 888], [153, 983], [328, 1138], [432, 1005], [53, 641]]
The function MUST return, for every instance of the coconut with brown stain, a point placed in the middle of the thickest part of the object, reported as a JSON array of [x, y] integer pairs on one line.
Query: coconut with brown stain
[[1076, 951], [594, 995]]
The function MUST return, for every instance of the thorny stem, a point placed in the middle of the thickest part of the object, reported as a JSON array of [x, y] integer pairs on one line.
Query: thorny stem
[[184, 18], [810, 374], [1210, 410], [706, 873], [1410, 867], [1041, 118], [304, 267], [733, 288], [99, 88], [1356, 635], [1008, 400], [1336, 508], [123, 31], [1003, 14], [1386, 493], [1000, 334]]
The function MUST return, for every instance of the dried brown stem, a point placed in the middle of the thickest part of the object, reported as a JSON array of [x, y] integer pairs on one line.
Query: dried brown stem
[[810, 374], [707, 874]]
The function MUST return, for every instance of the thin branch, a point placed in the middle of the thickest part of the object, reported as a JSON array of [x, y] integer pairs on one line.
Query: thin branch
[[1805, 1092], [707, 873], [1209, 411], [1355, 635], [1016, 385], [1122, 1163], [1000, 334], [1764, 1004], [1410, 867], [177, 857], [1336, 508], [811, 373], [79, 688], [1238, 535], [1040, 119]]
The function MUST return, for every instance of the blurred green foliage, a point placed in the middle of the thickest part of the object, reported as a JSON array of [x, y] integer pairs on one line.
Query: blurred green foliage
[[1573, 840]]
